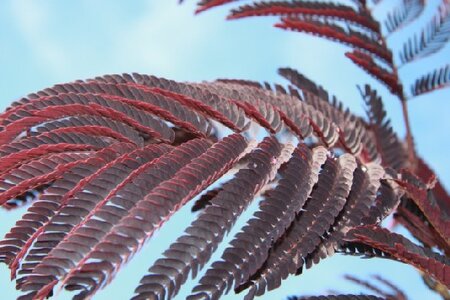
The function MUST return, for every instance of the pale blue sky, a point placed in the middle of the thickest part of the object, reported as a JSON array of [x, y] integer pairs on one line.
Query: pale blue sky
[[47, 42]]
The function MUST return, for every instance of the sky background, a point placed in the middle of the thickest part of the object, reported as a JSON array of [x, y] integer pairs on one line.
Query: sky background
[[48, 41]]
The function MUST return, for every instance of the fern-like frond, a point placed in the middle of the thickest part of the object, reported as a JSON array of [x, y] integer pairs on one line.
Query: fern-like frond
[[419, 193], [403, 250], [353, 134], [435, 80], [317, 215], [77, 266], [362, 195], [328, 10], [298, 116], [419, 228], [330, 30], [102, 183], [193, 250], [393, 153], [368, 64], [392, 292], [63, 105], [431, 39], [407, 12], [251, 246], [115, 157], [388, 198]]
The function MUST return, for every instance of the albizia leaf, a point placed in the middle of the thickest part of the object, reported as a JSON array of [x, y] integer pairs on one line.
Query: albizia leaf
[[388, 198], [20, 238], [17, 153], [298, 116], [407, 12], [114, 157], [435, 80], [82, 200], [304, 234], [133, 228], [262, 111], [250, 247], [91, 125], [426, 174], [335, 32], [192, 250], [419, 193], [420, 229], [353, 134], [376, 290], [121, 96], [368, 64], [402, 249], [38, 172], [366, 183], [391, 149], [242, 82], [204, 102], [22, 117], [306, 8], [432, 38]]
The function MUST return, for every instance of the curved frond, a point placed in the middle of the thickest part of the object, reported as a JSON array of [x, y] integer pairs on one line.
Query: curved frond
[[431, 39], [80, 200], [403, 250], [22, 117], [419, 192], [368, 64], [327, 10], [407, 12], [332, 31], [392, 292], [353, 135], [300, 117], [393, 153], [366, 184], [437, 79], [250, 248], [318, 214], [116, 156], [75, 265], [192, 250]]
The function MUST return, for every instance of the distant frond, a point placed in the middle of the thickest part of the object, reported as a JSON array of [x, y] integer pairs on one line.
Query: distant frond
[[368, 64], [391, 293], [432, 38], [438, 79], [332, 31], [327, 10], [407, 12]]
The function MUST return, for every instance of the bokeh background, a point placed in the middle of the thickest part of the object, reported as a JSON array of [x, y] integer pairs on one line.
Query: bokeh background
[[49, 41]]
